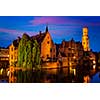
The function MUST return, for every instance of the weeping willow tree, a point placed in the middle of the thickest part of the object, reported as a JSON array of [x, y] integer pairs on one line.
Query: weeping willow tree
[[36, 55], [28, 53]]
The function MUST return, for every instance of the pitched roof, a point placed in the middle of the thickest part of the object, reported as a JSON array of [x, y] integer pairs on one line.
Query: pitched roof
[[15, 43], [39, 37]]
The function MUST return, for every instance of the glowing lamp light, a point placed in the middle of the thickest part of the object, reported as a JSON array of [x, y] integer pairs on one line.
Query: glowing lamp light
[[94, 62], [74, 57], [74, 70], [70, 64], [94, 66]]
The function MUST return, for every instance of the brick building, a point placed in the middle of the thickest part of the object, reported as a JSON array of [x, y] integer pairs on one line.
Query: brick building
[[70, 52], [47, 48]]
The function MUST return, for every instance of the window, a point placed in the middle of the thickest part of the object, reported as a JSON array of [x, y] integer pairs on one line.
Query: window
[[15, 57], [69, 54], [48, 42], [69, 48], [12, 49], [47, 56], [53, 50], [50, 49], [11, 56]]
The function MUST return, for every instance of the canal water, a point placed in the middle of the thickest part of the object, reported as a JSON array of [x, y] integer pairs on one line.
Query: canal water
[[61, 75]]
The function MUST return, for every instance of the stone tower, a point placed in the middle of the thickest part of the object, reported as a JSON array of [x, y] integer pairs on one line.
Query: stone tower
[[85, 39]]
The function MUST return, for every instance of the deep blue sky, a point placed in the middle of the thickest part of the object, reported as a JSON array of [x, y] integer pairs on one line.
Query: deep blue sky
[[60, 27]]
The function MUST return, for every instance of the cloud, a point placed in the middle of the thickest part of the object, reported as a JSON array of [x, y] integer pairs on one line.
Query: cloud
[[65, 20], [13, 32], [53, 20], [9, 30]]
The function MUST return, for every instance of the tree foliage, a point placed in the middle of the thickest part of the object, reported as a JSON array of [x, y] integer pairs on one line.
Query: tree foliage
[[28, 53]]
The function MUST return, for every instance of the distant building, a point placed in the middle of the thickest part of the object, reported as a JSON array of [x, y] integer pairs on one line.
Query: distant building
[[85, 39], [86, 45], [13, 52], [70, 52], [4, 57]]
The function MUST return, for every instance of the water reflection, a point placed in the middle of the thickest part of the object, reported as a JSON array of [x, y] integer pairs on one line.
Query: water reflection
[[96, 78], [79, 74]]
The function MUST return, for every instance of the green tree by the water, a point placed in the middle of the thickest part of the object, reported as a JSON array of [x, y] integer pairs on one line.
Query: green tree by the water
[[28, 58], [28, 53]]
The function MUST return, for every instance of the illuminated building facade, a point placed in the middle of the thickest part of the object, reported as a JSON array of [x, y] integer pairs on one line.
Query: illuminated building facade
[[47, 47], [70, 51], [13, 53], [4, 57], [85, 39]]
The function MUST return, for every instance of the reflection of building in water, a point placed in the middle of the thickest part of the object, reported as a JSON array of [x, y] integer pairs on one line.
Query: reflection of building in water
[[12, 78], [86, 79]]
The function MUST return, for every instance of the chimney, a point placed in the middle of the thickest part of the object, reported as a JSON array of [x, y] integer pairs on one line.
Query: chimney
[[46, 29]]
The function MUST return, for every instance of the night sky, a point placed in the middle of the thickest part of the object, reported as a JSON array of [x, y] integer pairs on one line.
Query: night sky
[[60, 27]]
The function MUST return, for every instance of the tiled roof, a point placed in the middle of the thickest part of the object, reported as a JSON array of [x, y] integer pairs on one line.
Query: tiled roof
[[39, 37]]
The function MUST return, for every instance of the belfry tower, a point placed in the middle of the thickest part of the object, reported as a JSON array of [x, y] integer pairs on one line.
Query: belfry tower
[[85, 39]]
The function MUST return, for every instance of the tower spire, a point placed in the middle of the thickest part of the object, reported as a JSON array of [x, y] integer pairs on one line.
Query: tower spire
[[47, 28]]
